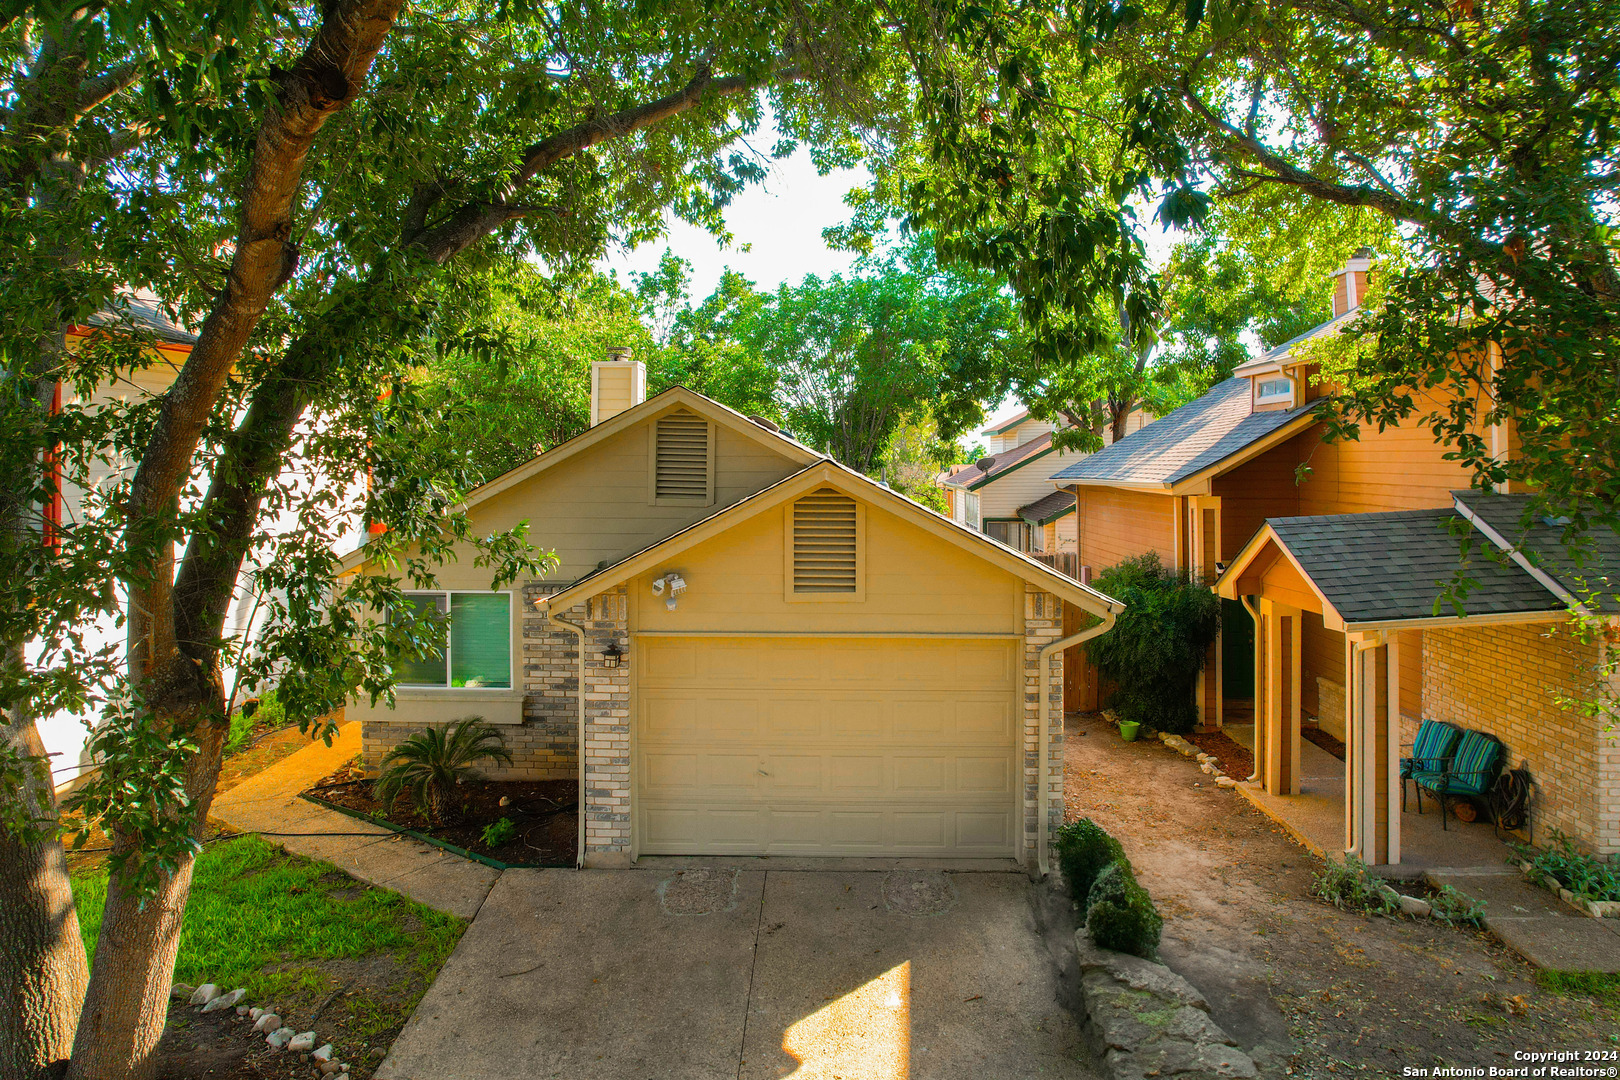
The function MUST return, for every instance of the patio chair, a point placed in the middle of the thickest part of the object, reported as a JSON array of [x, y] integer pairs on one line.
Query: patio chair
[[1435, 743], [1469, 772]]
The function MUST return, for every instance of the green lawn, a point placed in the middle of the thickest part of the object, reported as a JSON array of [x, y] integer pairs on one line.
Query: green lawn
[[254, 907]]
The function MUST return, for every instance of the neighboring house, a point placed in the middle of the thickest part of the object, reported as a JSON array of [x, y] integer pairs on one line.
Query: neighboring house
[[1008, 494], [1332, 564], [780, 656]]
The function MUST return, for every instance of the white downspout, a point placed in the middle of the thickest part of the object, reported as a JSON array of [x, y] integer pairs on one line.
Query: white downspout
[[1259, 686], [579, 632], [1042, 767]]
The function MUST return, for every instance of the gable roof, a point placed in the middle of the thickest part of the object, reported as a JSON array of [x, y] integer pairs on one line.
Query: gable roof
[[973, 477], [142, 309], [1217, 429], [1008, 425], [1589, 577], [1047, 510], [829, 473], [678, 396], [1278, 353], [1383, 570]]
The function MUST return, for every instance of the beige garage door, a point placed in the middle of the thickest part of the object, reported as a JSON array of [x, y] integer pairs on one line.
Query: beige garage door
[[815, 746]]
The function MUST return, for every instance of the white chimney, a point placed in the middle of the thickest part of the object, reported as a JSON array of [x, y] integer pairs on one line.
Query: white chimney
[[1350, 284], [617, 384]]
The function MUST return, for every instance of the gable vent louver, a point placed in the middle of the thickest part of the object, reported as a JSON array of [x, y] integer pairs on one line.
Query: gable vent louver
[[824, 543], [682, 465]]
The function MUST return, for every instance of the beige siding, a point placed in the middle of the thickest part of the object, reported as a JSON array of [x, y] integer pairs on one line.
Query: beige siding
[[914, 582], [596, 506], [1002, 497]]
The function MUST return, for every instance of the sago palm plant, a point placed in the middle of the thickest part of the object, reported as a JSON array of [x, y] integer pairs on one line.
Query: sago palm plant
[[428, 765]]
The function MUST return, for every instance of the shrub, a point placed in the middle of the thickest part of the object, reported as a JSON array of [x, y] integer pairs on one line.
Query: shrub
[[1157, 648], [1584, 875], [1084, 851], [263, 712], [429, 764], [499, 833], [1120, 915], [1350, 886]]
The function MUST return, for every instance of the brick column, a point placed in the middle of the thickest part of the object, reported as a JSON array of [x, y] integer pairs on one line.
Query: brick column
[[1043, 624], [605, 802]]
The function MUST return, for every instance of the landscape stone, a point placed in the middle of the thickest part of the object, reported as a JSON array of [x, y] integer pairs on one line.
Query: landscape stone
[[323, 1054], [224, 1001], [267, 1022], [330, 1067], [1148, 1022], [255, 1012], [182, 991], [302, 1043], [1415, 906], [204, 994], [1226, 782], [280, 1037], [241, 1010]]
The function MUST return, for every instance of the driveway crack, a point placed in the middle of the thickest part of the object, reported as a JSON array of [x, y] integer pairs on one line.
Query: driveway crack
[[748, 1004]]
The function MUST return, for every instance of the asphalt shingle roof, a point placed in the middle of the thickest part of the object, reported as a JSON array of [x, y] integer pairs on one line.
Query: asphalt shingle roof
[[1591, 574], [1394, 566], [973, 475], [1187, 441], [1048, 509]]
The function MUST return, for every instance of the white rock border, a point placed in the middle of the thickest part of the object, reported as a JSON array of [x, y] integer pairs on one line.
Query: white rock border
[[208, 997], [1597, 909]]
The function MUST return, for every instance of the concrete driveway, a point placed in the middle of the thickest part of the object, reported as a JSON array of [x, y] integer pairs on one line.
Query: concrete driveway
[[708, 969]]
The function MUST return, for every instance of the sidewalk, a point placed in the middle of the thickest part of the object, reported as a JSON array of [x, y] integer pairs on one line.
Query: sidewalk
[[269, 804], [1536, 924]]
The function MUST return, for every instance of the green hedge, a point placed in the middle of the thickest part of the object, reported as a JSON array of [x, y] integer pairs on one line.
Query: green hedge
[[1119, 913]]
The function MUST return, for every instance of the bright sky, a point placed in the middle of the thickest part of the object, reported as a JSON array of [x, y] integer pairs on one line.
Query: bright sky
[[777, 228]]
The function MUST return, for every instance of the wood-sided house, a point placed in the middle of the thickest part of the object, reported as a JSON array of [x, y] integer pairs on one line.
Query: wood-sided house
[[1329, 577], [1008, 493], [750, 649]]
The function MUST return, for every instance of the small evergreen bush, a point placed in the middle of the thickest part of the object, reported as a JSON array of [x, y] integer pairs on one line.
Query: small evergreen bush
[[1123, 917], [1084, 851], [1119, 913], [1158, 646], [428, 765]]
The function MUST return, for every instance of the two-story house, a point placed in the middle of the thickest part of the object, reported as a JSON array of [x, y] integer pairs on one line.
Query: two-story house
[[747, 648], [1331, 558]]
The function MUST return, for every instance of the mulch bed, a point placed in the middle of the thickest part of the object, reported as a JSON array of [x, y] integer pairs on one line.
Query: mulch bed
[[1324, 740], [1236, 761], [546, 813]]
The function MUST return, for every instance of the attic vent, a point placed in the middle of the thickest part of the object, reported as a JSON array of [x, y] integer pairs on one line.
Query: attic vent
[[824, 534], [681, 458]]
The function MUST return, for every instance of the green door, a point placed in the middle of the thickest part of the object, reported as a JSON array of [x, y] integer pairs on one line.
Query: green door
[[1237, 650]]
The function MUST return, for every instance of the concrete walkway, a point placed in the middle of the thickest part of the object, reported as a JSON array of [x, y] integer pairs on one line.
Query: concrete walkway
[[268, 804], [1468, 857], [714, 970]]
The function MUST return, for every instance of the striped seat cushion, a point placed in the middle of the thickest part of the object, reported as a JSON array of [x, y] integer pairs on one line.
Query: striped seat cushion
[[1473, 767], [1436, 741]]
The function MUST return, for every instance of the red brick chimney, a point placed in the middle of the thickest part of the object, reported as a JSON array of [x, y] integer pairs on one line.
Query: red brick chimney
[[1350, 282]]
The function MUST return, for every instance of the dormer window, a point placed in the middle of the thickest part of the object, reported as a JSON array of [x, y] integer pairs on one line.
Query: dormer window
[[1273, 391]]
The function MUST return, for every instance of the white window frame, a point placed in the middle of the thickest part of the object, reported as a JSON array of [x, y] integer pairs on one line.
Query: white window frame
[[1261, 397], [970, 510], [449, 640]]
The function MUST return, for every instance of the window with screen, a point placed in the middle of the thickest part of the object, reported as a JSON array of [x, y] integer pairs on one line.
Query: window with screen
[[1270, 390]]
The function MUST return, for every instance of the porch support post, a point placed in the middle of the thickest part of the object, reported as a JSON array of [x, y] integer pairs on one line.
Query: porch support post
[[1372, 795], [1281, 697]]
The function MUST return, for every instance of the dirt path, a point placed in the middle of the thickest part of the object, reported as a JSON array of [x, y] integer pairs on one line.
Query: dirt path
[[1310, 989]]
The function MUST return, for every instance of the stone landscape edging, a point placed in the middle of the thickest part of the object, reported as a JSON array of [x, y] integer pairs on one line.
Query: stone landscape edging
[[445, 845], [210, 998], [1143, 1020], [1596, 909]]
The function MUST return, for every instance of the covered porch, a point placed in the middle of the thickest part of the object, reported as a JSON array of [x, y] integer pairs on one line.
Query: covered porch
[[1374, 580]]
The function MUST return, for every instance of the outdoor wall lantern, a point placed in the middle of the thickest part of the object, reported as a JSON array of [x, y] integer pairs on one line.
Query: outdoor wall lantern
[[612, 655]]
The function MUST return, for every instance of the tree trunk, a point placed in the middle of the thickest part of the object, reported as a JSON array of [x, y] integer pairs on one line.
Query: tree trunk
[[42, 970], [128, 998]]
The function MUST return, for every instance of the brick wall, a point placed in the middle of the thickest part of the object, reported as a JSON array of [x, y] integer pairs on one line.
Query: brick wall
[[1043, 624], [1502, 680]]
